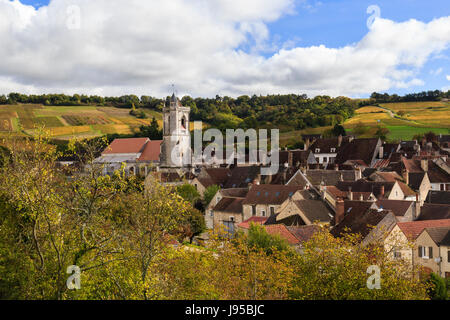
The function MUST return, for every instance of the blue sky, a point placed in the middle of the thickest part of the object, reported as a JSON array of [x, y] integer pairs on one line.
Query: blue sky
[[336, 23], [262, 68]]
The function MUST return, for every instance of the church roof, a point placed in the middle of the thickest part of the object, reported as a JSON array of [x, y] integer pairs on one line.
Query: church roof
[[131, 145]]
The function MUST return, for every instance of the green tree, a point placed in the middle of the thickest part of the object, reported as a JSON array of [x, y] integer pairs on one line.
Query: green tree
[[438, 289], [338, 130], [188, 192], [259, 238], [209, 193], [382, 133]]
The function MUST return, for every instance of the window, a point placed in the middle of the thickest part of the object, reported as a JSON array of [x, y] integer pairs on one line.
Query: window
[[317, 150], [333, 150], [272, 211], [421, 251], [325, 159], [442, 187], [253, 210], [430, 252], [397, 254], [448, 256], [263, 213], [211, 213]]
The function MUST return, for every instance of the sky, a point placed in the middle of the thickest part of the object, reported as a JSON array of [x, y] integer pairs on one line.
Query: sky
[[224, 47]]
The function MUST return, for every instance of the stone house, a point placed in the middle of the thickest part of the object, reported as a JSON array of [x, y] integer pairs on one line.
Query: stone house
[[215, 216], [301, 212], [433, 250], [265, 200], [431, 247]]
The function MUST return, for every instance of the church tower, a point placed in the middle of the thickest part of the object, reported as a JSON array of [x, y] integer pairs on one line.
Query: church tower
[[176, 146]]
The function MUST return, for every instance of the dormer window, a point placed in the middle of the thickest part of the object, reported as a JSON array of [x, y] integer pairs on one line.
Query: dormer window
[[333, 150], [317, 150]]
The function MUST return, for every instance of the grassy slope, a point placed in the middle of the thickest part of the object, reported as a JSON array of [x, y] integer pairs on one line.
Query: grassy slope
[[420, 117], [67, 122]]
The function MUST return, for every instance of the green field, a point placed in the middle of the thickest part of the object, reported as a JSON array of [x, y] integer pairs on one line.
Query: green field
[[91, 121], [404, 120], [67, 122]]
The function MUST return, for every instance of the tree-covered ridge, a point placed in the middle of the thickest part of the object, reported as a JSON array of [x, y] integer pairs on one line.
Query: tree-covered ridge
[[430, 95], [286, 112]]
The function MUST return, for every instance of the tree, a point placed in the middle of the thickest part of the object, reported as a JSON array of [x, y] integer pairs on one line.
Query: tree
[[438, 287], [152, 131], [209, 193], [360, 129], [382, 132], [338, 130], [259, 238], [336, 268], [188, 192]]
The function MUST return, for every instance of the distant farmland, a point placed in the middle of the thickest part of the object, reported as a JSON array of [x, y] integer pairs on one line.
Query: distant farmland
[[67, 122], [404, 120]]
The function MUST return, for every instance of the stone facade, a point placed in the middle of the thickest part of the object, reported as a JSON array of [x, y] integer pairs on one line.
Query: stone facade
[[176, 147]]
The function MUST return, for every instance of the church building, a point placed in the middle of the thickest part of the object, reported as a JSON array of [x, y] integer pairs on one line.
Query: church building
[[176, 146], [141, 155]]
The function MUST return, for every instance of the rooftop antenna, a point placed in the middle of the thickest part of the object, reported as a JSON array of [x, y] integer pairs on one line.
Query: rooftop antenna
[[173, 90]]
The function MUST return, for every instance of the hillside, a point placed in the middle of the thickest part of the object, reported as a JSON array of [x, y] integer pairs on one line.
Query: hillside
[[403, 119], [74, 121]]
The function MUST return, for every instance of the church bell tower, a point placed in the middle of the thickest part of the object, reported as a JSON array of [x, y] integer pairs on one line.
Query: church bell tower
[[176, 146]]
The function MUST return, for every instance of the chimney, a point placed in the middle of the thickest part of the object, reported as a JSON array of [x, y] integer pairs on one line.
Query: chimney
[[339, 216], [381, 154], [358, 173], [382, 191], [424, 164], [340, 140], [350, 194]]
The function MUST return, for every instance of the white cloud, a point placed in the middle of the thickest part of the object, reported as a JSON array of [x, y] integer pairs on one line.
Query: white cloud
[[448, 78], [132, 46]]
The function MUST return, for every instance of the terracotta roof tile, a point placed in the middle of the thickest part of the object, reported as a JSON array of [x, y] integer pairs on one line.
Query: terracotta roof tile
[[152, 151], [132, 145], [413, 229], [256, 220], [282, 231]]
